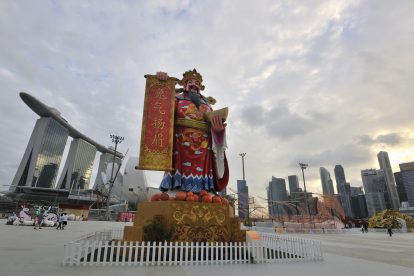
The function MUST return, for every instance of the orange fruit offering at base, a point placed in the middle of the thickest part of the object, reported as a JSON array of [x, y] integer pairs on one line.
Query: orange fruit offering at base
[[196, 198], [216, 199], [155, 197], [207, 199], [180, 196], [164, 196]]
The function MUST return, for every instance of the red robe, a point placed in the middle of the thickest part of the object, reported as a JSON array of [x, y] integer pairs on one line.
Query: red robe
[[194, 163]]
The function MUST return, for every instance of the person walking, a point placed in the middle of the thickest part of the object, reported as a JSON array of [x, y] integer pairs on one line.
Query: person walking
[[60, 221], [38, 221], [64, 220], [389, 230]]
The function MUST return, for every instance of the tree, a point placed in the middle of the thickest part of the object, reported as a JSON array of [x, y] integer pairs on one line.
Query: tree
[[389, 219]]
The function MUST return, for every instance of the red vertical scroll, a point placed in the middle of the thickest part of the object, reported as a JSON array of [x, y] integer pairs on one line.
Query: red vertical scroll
[[157, 125]]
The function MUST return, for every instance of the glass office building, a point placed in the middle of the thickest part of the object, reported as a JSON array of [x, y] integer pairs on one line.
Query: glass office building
[[326, 181], [41, 160], [293, 183], [392, 200], [343, 189], [407, 175], [375, 190], [77, 172], [243, 199], [276, 193]]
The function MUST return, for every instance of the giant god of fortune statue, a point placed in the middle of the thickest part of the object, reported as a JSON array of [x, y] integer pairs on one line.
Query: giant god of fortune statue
[[183, 136]]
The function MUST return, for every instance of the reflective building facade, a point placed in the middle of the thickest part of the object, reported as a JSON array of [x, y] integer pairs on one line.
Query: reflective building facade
[[375, 190], [326, 180], [402, 194], [77, 171], [343, 189], [243, 199], [40, 163], [407, 175], [391, 199], [293, 183], [276, 191]]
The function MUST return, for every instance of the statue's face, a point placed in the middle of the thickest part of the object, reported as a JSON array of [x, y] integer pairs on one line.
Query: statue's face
[[192, 85]]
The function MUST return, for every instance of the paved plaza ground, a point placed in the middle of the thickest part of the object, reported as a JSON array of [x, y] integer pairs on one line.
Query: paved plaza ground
[[25, 251]]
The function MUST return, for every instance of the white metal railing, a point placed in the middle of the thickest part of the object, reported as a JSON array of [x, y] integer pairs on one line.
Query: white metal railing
[[301, 230], [105, 248]]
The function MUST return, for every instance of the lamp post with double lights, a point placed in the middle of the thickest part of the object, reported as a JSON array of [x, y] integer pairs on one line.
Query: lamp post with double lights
[[117, 140], [242, 156], [303, 167]]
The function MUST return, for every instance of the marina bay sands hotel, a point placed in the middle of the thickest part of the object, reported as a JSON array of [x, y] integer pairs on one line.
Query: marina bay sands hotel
[[39, 166]]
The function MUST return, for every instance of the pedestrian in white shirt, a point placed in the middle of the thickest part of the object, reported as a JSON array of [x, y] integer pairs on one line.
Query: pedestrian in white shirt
[[64, 220]]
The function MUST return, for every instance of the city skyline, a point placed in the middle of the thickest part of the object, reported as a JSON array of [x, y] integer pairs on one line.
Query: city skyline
[[326, 181], [304, 82]]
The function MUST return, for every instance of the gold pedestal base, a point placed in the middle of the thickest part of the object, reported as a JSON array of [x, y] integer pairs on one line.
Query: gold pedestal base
[[192, 221]]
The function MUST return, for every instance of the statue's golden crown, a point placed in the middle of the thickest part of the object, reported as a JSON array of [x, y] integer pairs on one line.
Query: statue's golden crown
[[192, 74]]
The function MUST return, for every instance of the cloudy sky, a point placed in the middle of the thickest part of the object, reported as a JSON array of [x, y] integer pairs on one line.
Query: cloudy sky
[[320, 82]]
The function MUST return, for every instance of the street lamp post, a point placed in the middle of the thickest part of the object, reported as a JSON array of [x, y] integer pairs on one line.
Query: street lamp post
[[303, 166], [242, 156], [117, 140]]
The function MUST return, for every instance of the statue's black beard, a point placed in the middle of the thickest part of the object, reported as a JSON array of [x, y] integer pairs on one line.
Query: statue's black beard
[[195, 98]]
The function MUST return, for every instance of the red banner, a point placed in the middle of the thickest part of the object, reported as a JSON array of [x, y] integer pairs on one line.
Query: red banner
[[157, 125]]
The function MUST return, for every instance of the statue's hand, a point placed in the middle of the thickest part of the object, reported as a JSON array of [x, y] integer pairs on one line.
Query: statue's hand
[[162, 76], [217, 123]]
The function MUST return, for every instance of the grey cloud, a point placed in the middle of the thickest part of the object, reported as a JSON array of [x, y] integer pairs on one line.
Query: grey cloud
[[345, 154], [391, 139], [253, 115], [281, 122], [285, 124], [365, 140]]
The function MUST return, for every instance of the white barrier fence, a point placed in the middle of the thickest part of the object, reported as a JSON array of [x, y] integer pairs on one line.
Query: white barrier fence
[[103, 248]]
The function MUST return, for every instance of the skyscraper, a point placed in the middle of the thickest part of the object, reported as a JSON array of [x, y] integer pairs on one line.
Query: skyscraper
[[276, 191], [77, 171], [326, 180], [40, 163], [375, 189], [343, 189], [358, 202], [359, 206], [243, 199], [402, 194], [293, 183], [392, 195], [407, 173]]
